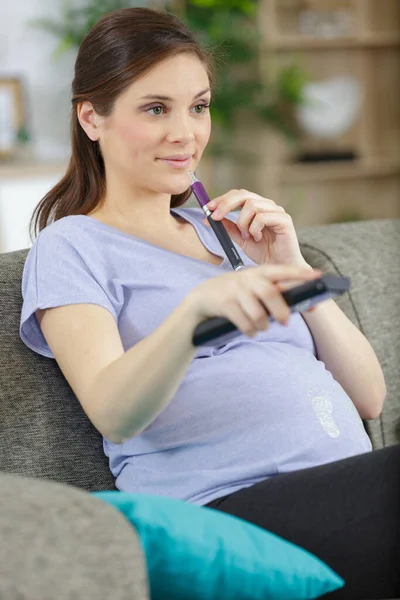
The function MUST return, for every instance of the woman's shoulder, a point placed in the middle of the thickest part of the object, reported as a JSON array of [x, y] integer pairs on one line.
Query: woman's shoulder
[[73, 229], [66, 239], [61, 227]]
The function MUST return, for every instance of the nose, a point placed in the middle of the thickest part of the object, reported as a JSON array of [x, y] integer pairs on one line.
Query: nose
[[180, 129]]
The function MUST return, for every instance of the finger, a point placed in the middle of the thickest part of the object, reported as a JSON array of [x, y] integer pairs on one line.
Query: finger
[[273, 301], [245, 218], [276, 220], [234, 199], [212, 204], [254, 309], [234, 232], [277, 307], [261, 200], [281, 272], [220, 200], [234, 312], [287, 285], [251, 221], [290, 283]]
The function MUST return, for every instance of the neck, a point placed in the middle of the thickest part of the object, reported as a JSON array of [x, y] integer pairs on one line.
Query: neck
[[137, 210]]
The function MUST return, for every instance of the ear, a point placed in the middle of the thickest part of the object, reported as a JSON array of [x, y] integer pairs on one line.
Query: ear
[[90, 121]]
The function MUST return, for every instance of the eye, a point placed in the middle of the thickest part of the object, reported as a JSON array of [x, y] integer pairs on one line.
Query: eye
[[157, 110], [200, 108]]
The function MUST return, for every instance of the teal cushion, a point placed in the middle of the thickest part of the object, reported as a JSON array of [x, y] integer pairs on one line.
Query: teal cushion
[[199, 553]]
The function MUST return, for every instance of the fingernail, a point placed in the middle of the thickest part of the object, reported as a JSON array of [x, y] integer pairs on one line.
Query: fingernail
[[211, 204]]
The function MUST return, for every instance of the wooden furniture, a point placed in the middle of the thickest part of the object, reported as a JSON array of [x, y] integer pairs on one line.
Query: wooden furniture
[[368, 47]]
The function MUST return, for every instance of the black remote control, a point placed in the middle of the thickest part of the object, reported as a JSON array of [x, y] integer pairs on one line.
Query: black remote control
[[299, 298]]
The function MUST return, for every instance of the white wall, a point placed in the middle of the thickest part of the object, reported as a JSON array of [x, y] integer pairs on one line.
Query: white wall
[[27, 52]]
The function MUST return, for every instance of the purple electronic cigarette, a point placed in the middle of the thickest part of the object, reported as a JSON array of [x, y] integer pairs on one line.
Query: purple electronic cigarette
[[218, 228]]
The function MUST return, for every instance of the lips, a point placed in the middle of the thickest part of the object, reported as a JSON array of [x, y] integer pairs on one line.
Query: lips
[[177, 157], [178, 162]]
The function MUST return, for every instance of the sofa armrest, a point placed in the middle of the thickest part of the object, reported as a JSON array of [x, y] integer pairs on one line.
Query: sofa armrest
[[368, 252], [61, 542]]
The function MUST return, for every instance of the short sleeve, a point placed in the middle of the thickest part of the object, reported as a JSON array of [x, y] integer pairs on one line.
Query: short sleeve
[[55, 274]]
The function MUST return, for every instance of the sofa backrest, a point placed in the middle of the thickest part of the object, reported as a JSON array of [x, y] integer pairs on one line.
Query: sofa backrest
[[369, 253], [43, 429]]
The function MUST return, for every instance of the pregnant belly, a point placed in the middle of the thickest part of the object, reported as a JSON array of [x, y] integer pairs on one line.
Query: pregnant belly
[[259, 400]]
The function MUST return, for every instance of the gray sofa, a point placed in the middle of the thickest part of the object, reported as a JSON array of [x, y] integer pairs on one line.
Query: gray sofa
[[59, 541]]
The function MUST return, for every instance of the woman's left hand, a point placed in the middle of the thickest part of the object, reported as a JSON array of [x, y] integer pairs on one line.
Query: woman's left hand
[[263, 230]]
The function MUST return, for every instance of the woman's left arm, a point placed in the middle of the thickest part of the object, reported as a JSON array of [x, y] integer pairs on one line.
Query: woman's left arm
[[266, 233], [349, 356]]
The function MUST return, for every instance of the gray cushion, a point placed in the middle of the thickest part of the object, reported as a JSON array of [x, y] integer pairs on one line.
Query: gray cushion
[[369, 253], [43, 430], [60, 542]]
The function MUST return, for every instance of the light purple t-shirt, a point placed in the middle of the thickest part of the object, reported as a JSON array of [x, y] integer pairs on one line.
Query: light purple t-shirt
[[245, 411]]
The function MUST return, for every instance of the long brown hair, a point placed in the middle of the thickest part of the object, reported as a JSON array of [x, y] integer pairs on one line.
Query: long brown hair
[[121, 47]]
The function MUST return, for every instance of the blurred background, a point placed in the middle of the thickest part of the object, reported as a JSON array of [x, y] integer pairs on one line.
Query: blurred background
[[307, 110]]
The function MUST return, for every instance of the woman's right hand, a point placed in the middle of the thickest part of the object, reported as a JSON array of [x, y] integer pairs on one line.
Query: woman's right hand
[[245, 297]]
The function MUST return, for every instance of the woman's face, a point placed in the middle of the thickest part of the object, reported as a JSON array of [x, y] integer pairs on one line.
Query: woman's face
[[160, 126]]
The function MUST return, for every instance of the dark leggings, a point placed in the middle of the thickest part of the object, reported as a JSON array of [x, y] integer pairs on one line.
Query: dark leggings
[[347, 513]]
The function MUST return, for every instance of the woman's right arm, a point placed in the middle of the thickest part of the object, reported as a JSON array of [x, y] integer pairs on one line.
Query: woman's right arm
[[123, 392], [135, 388]]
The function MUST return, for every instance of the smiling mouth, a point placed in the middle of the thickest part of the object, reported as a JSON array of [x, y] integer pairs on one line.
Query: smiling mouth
[[177, 163]]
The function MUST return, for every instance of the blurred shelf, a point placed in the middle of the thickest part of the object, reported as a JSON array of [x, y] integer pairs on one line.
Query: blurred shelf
[[336, 171], [20, 169], [365, 46], [300, 42]]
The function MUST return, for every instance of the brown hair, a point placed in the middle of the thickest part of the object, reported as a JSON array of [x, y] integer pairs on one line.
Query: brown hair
[[121, 47]]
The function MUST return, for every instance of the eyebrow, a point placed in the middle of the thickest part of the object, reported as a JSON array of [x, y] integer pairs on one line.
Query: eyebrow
[[158, 97]]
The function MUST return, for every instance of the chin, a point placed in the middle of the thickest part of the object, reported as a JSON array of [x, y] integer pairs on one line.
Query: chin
[[175, 187]]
